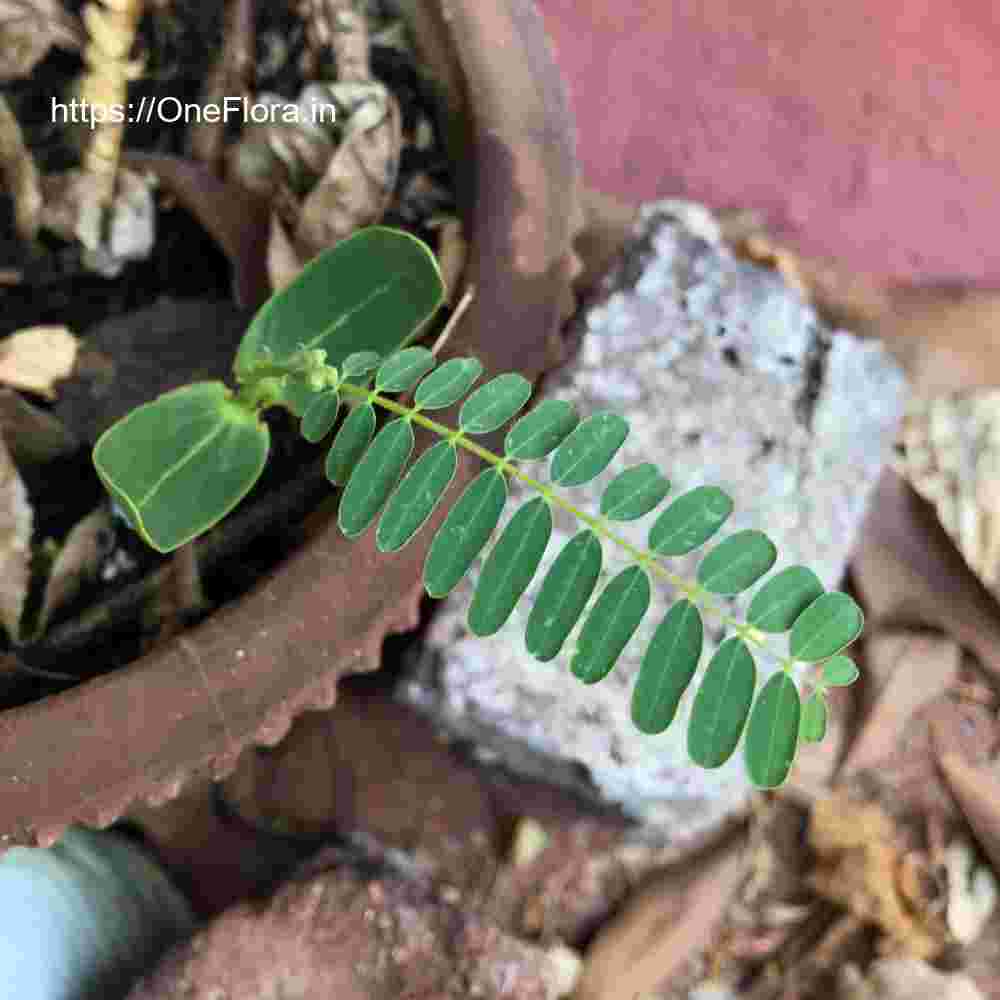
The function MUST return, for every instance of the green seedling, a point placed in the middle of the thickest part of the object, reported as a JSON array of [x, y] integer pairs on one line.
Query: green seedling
[[338, 335]]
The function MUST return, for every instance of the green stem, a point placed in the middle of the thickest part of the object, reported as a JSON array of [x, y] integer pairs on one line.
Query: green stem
[[692, 590]]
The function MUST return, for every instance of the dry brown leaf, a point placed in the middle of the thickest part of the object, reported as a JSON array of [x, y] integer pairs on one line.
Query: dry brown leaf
[[78, 560], [33, 435], [340, 25], [16, 521], [907, 571], [859, 854], [357, 184], [668, 924], [19, 174], [37, 357], [908, 669], [284, 259], [28, 28], [359, 180]]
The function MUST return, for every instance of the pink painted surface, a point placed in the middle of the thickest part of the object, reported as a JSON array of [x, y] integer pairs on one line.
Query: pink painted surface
[[863, 130]]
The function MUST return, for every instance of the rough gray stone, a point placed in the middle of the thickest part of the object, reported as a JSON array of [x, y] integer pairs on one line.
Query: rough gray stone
[[728, 378]]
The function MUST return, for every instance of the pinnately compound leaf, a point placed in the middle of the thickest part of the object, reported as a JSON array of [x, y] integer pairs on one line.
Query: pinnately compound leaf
[[690, 521], [722, 704], [588, 450], [360, 363], [783, 598], [447, 384], [541, 431], [607, 629], [319, 418], [812, 727], [404, 369], [667, 667], [840, 671], [830, 623], [773, 732], [509, 567], [493, 404], [465, 531], [564, 594], [374, 477], [633, 493], [737, 562], [416, 497], [354, 436]]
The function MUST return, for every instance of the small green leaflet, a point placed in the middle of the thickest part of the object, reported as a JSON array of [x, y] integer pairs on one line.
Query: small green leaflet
[[360, 363], [830, 623], [465, 531], [812, 728], [541, 431], [404, 369], [493, 404], [840, 671], [690, 521], [588, 449], [352, 439], [667, 667], [564, 594], [737, 562], [373, 291], [783, 598], [722, 704], [509, 567], [374, 477], [773, 732], [209, 452], [607, 629], [320, 417], [633, 493], [416, 497], [447, 384]]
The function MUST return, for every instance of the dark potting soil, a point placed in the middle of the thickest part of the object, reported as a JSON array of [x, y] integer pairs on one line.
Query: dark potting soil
[[107, 625]]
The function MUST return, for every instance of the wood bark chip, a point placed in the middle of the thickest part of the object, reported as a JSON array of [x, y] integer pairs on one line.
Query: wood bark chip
[[240, 677]]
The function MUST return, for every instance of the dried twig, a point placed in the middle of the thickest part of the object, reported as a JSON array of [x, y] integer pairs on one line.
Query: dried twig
[[111, 27]]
